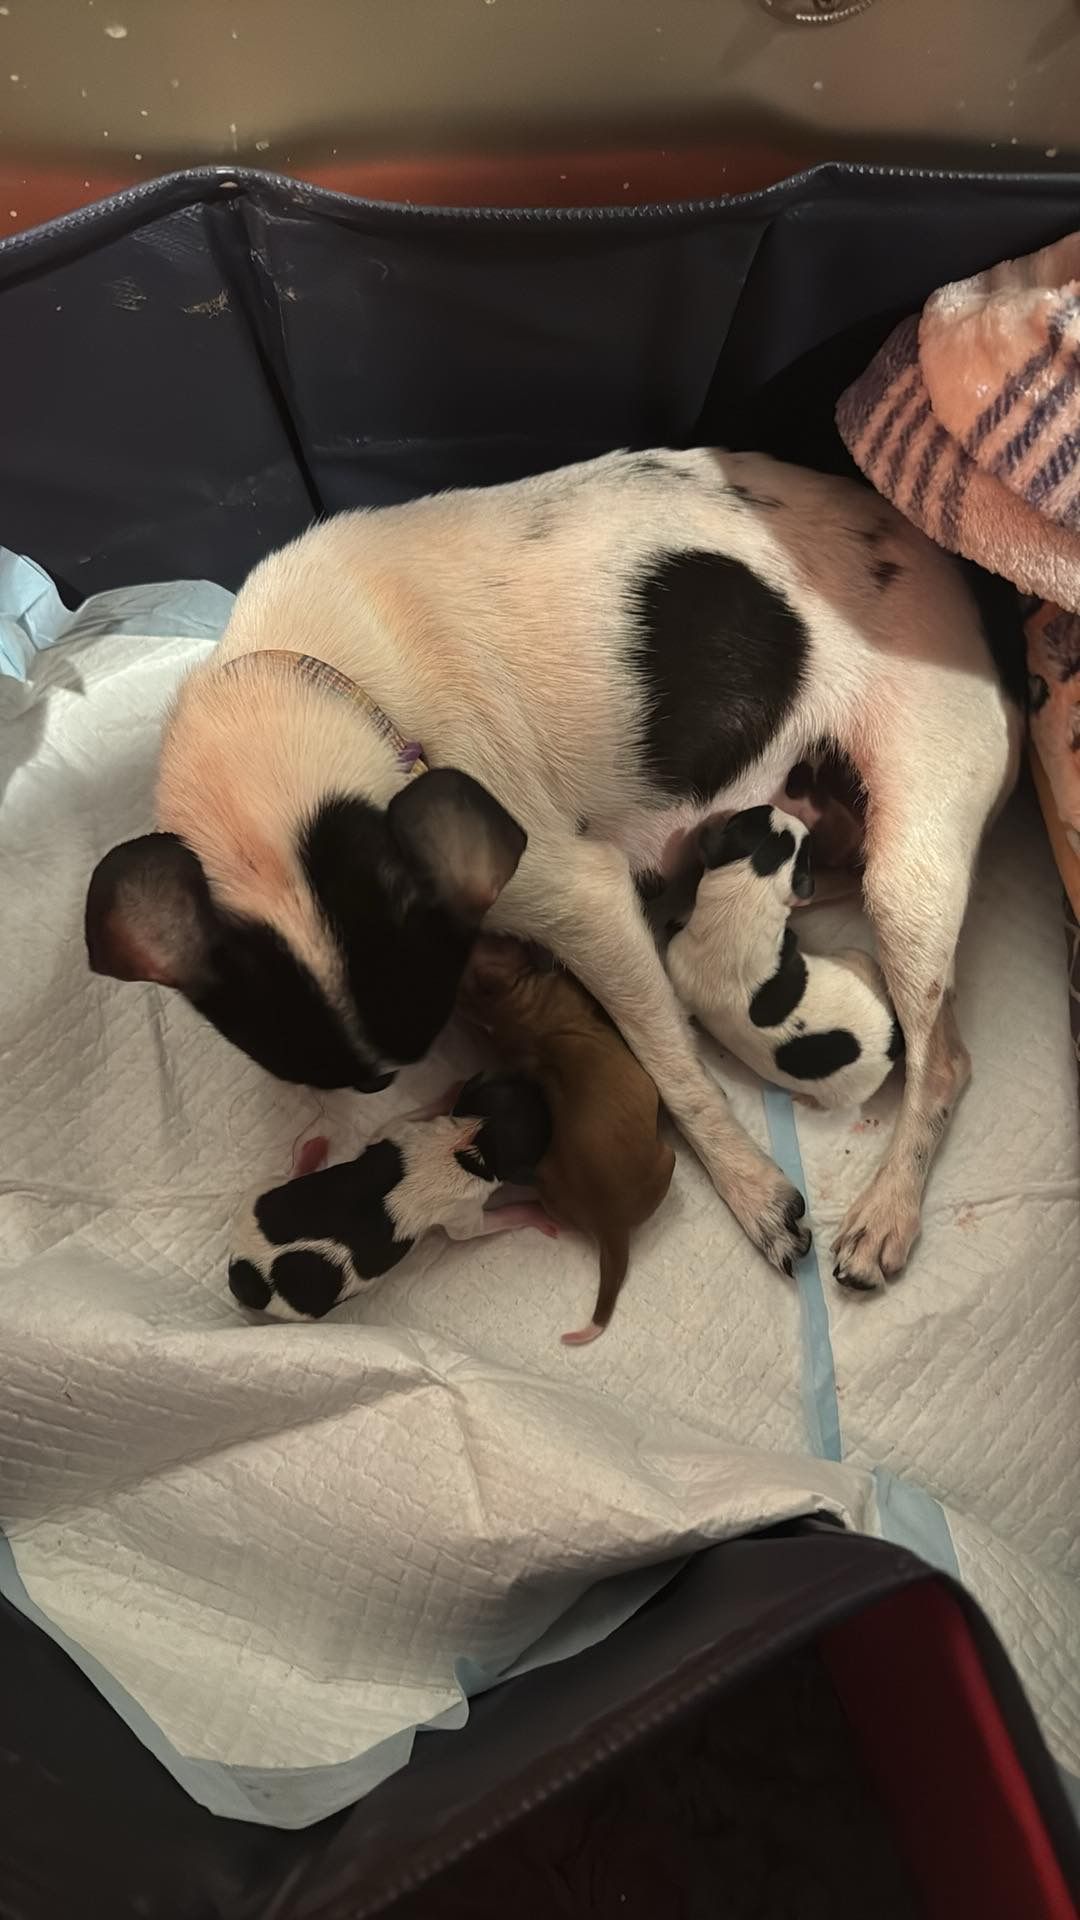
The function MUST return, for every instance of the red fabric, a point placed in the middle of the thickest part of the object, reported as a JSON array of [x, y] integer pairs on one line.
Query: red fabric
[[33, 192], [918, 1700]]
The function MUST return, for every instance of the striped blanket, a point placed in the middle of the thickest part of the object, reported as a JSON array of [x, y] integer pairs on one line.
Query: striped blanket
[[968, 420]]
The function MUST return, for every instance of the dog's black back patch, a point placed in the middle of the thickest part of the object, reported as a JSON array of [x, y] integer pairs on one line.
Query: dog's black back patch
[[344, 1203], [813, 1056], [307, 1281], [776, 999], [247, 1285], [721, 657]]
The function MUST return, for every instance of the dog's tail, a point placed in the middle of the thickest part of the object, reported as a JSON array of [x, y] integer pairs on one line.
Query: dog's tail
[[614, 1260]]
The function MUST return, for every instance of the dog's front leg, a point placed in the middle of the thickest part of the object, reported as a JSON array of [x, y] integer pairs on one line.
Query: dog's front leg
[[580, 901]]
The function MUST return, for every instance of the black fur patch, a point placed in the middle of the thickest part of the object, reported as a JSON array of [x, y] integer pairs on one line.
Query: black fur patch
[[271, 1007], [802, 873], [307, 1281], [247, 1285], [515, 1132], [323, 1205], [896, 1040], [721, 658], [405, 953], [344, 1203], [746, 836], [237, 972], [814, 1056], [884, 572], [777, 998]]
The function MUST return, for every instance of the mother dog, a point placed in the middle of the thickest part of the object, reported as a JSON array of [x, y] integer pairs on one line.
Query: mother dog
[[590, 661]]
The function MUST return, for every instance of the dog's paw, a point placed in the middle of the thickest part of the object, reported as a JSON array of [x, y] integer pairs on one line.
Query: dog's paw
[[776, 1226], [875, 1239]]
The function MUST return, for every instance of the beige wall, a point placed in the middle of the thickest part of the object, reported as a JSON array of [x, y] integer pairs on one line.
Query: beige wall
[[293, 82]]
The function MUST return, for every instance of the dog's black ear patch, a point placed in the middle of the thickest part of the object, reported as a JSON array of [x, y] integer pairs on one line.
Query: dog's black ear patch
[[307, 1281], [246, 1284], [457, 836], [722, 842], [814, 1056], [775, 1001], [802, 873]]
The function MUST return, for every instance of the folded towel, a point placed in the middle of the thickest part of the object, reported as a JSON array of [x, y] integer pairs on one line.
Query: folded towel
[[889, 426], [1000, 354]]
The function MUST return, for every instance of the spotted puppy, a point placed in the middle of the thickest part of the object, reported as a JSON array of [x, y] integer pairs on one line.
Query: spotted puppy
[[821, 1025], [301, 1248]]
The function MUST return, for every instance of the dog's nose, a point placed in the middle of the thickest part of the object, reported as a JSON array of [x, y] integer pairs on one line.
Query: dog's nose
[[374, 1083]]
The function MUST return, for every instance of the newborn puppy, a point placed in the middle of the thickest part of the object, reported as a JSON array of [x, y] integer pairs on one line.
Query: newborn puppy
[[300, 1248], [606, 1170], [820, 1025]]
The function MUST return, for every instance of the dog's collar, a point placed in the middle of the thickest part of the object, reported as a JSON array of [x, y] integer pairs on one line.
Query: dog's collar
[[320, 673]]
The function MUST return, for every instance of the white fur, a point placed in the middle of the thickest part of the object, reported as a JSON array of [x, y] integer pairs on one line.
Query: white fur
[[497, 628], [731, 946]]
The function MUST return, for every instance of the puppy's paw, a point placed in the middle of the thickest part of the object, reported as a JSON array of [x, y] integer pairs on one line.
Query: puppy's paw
[[875, 1239]]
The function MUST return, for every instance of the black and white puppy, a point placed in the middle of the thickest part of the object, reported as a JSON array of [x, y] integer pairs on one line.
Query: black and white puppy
[[820, 1025], [592, 661], [299, 1249]]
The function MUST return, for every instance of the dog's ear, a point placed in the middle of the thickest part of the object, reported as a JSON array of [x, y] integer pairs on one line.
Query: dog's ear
[[149, 915], [450, 830]]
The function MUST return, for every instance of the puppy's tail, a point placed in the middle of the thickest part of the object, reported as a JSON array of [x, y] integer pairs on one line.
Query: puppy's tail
[[614, 1260]]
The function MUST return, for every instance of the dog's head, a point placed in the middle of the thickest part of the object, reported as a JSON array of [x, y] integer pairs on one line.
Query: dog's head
[[774, 845], [323, 932], [515, 1125]]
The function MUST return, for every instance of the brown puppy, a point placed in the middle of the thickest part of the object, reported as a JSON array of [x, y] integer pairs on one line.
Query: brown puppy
[[606, 1170]]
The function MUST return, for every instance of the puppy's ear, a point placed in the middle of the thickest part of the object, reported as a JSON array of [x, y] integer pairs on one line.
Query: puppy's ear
[[149, 915], [453, 832], [721, 842]]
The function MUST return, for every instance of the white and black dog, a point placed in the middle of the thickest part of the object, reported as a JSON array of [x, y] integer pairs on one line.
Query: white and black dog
[[821, 1024], [591, 661]]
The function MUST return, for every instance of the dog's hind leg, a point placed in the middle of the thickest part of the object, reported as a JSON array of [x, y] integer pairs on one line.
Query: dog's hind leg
[[919, 866], [583, 906]]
